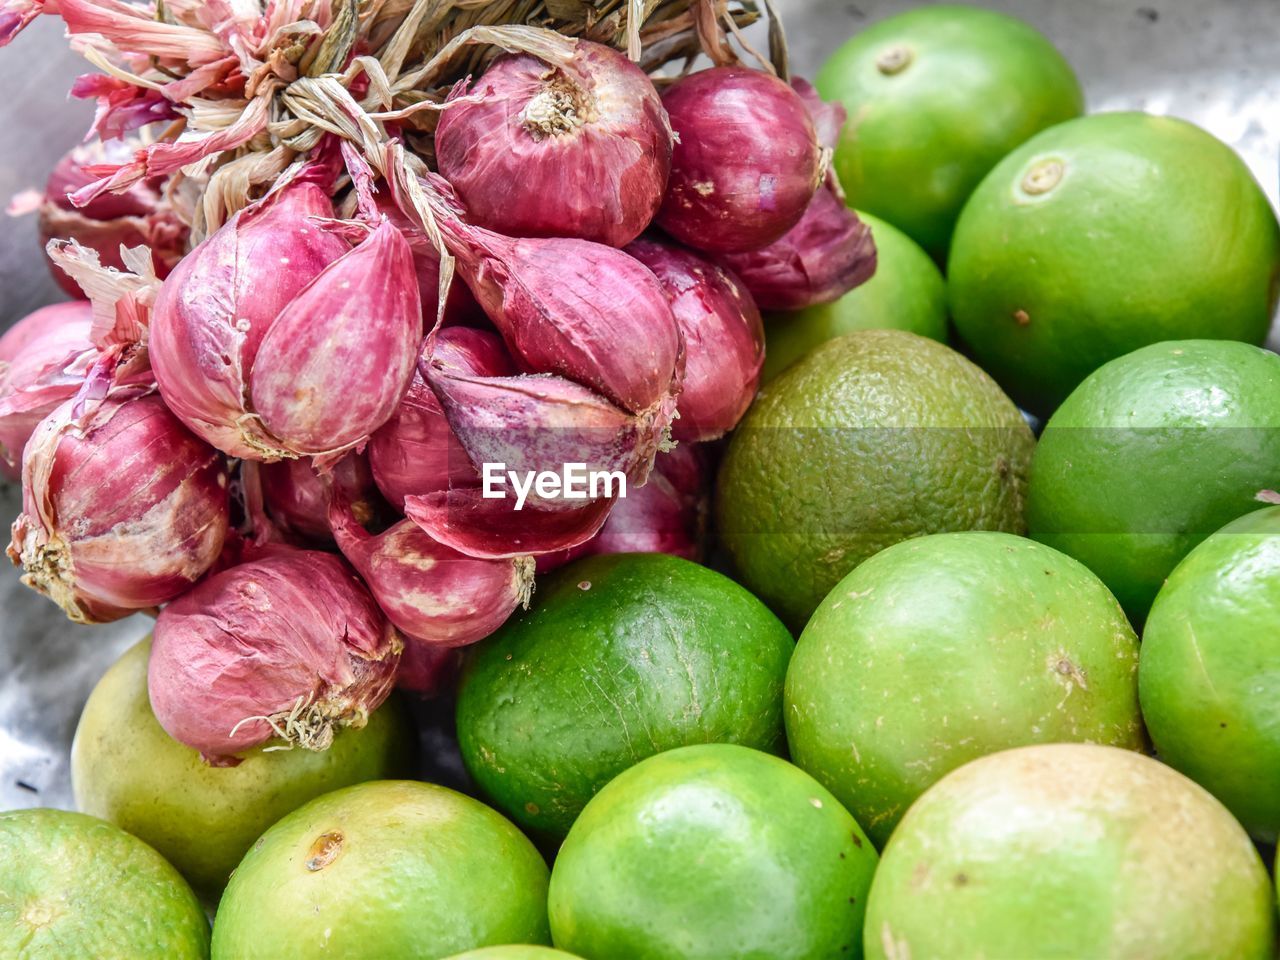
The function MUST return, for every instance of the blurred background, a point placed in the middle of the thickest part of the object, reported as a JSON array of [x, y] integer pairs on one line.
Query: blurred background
[[1212, 63]]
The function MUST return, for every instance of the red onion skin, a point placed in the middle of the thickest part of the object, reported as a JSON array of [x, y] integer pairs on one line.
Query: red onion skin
[[43, 360], [426, 670], [121, 512], [578, 309], [213, 312], [433, 594], [337, 359], [579, 150], [460, 306], [746, 163], [415, 451], [723, 337], [296, 500], [138, 217], [294, 632], [829, 116]]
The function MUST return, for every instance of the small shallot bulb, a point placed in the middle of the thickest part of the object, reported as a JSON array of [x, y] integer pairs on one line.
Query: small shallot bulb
[[312, 364], [290, 645], [723, 338], [296, 500], [416, 451], [577, 145], [140, 216], [123, 508], [666, 515], [434, 595], [426, 670], [43, 361], [746, 163]]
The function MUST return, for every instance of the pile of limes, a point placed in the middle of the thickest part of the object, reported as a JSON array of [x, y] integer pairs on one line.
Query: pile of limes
[[996, 630]]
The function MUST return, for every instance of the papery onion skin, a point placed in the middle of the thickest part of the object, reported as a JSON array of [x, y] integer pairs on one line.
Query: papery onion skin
[[296, 500], [433, 594], [579, 150], [723, 338], [122, 511], [427, 670], [667, 515], [293, 636], [747, 160], [416, 452], [43, 360], [214, 310], [140, 216], [339, 356]]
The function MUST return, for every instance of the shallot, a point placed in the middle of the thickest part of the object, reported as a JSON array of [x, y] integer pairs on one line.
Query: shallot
[[572, 141], [273, 339], [43, 361], [667, 515], [290, 645], [435, 595], [140, 216], [723, 338], [123, 508], [747, 160], [296, 501]]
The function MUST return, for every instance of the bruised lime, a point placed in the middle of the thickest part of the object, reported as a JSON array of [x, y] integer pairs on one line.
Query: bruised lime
[[1069, 850], [75, 886], [907, 292], [708, 852], [390, 868], [936, 96], [946, 648], [1210, 672], [875, 437], [127, 770]]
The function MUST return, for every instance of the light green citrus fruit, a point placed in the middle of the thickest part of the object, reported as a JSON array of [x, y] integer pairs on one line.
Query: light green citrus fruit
[[1069, 851], [75, 886], [943, 649], [1151, 454], [1104, 235], [127, 770], [906, 292], [391, 868], [620, 657], [875, 437], [1210, 671], [936, 96], [513, 952], [712, 852]]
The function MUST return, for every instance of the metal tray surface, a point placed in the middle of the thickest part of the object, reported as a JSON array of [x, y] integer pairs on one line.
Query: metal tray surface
[[1212, 63]]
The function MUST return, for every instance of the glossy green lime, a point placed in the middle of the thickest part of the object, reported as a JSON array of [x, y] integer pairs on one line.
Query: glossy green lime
[[1069, 851], [1210, 672], [1104, 235], [75, 886], [1151, 454], [906, 292], [520, 952], [127, 770], [875, 437], [936, 96], [943, 649], [619, 658], [391, 868], [712, 852]]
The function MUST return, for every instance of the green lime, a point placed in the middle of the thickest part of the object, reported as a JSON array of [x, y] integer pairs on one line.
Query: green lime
[[875, 437], [1074, 851], [710, 852], [521, 952], [1151, 454], [1104, 235], [946, 648], [907, 292], [128, 771], [936, 96], [1210, 673], [620, 658], [391, 868], [74, 886]]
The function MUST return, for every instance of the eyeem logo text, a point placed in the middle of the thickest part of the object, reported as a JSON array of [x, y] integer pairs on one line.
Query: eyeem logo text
[[573, 482]]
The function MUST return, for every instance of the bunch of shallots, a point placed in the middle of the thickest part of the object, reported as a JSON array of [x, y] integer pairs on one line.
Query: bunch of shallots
[[362, 313]]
